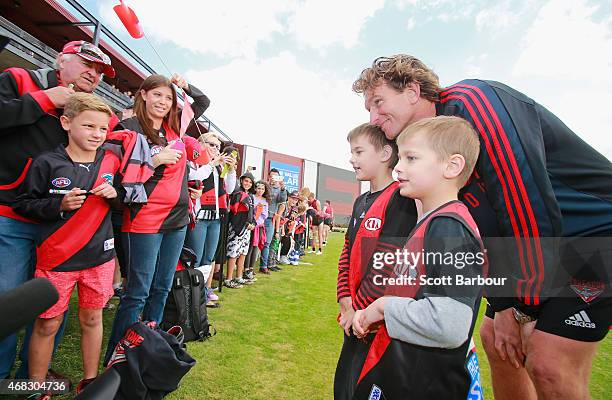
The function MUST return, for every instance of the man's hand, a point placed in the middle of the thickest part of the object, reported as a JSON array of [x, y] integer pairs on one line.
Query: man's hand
[[105, 191], [59, 95], [73, 200], [508, 338], [526, 331], [167, 155]]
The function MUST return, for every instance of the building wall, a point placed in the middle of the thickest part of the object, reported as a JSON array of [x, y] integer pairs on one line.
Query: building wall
[[311, 171], [289, 167], [340, 187]]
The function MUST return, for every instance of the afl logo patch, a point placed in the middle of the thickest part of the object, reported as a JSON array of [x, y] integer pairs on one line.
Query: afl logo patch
[[61, 182], [372, 224], [108, 177]]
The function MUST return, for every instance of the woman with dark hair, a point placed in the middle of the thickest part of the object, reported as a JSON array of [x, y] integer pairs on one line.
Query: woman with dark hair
[[242, 222], [155, 231]]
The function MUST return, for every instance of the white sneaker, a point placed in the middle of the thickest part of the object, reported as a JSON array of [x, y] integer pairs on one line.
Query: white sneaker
[[283, 260], [294, 263], [319, 252]]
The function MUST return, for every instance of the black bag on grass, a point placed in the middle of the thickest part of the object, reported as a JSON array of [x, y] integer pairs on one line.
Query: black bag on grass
[[150, 361], [186, 303]]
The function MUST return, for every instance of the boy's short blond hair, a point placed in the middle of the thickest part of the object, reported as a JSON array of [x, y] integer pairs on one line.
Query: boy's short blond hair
[[377, 138], [448, 136], [80, 102]]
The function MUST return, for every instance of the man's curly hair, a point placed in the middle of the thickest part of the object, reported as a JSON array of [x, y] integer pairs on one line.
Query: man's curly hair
[[399, 71]]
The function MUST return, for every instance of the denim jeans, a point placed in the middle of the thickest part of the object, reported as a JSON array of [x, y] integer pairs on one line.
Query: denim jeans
[[269, 226], [17, 263], [203, 240], [153, 258]]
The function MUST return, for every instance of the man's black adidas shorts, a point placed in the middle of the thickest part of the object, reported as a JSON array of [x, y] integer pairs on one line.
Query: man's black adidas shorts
[[584, 313]]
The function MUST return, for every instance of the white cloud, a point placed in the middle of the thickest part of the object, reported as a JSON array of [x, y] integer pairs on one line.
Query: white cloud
[[410, 24], [565, 42], [566, 61], [502, 15], [277, 104], [474, 65], [322, 23], [225, 28], [236, 28]]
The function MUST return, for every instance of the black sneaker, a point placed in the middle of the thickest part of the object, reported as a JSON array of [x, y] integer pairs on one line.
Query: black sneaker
[[275, 269]]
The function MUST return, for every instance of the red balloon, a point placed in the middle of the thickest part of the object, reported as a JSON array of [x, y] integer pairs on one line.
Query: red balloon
[[129, 19]]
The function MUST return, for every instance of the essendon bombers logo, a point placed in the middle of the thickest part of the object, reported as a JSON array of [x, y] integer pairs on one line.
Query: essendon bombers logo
[[372, 224], [587, 290]]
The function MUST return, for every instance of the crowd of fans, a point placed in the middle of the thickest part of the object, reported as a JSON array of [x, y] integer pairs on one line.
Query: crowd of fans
[[128, 195]]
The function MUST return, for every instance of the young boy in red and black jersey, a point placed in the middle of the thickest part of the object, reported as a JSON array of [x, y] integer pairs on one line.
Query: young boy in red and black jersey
[[380, 219], [68, 191], [420, 330]]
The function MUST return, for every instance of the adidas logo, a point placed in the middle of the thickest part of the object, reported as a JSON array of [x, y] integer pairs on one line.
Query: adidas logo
[[580, 319]]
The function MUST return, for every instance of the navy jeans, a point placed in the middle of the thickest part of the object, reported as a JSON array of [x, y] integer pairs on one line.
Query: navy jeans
[[17, 263], [263, 263], [153, 258], [203, 240]]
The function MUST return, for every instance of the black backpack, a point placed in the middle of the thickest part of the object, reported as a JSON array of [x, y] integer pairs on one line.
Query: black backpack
[[186, 302]]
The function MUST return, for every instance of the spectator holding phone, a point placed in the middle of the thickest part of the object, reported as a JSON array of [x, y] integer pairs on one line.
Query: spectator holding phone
[[209, 201], [278, 197], [156, 230]]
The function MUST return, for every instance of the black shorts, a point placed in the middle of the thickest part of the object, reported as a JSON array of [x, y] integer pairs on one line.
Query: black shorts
[[574, 318], [329, 222]]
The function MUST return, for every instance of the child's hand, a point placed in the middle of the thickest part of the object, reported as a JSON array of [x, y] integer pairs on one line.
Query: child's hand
[[366, 320], [105, 191], [73, 200], [346, 314]]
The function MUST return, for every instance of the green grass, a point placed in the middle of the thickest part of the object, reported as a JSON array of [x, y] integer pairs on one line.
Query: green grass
[[278, 339]]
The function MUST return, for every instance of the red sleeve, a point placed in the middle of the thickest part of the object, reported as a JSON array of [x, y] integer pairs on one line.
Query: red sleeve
[[44, 101], [343, 272]]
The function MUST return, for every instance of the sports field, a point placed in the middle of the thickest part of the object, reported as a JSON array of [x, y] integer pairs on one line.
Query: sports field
[[278, 339]]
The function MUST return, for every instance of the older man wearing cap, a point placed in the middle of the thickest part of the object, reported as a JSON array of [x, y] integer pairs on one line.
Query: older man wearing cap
[[30, 103]]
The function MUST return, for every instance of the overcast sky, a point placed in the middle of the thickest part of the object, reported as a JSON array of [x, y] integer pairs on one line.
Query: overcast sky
[[279, 73]]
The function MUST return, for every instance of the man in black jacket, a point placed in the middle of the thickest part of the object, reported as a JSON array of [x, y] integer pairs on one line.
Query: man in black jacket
[[535, 179], [30, 105]]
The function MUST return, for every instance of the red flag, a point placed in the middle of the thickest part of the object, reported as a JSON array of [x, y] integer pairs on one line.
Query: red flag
[[129, 19], [186, 116]]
